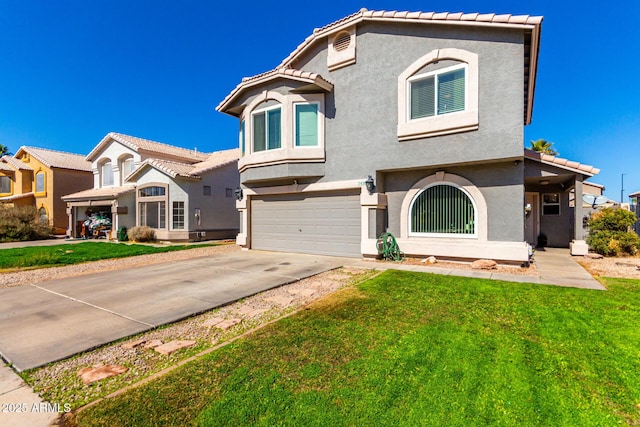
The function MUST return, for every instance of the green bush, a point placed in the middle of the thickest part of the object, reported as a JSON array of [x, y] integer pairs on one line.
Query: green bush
[[22, 223], [142, 234], [610, 233]]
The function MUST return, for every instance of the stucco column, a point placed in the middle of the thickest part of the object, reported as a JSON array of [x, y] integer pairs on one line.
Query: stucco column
[[70, 230], [578, 246], [242, 239]]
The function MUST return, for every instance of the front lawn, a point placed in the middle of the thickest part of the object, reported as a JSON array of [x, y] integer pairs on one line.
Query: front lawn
[[415, 349], [64, 254]]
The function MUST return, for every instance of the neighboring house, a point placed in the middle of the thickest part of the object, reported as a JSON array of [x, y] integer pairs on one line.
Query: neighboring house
[[182, 194], [635, 207], [411, 123], [38, 177]]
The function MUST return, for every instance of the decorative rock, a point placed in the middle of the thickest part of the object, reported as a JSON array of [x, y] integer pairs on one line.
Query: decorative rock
[[226, 324], [430, 260], [90, 375], [594, 256], [133, 344], [212, 322], [484, 264], [153, 343], [173, 346], [281, 301], [251, 312], [305, 292]]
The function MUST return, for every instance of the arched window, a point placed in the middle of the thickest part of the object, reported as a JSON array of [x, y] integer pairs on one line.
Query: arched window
[[152, 206], [42, 215], [106, 173], [443, 210], [126, 167]]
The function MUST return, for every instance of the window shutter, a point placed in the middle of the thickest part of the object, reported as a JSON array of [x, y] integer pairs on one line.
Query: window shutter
[[259, 132], [273, 122], [451, 92], [306, 125], [422, 98]]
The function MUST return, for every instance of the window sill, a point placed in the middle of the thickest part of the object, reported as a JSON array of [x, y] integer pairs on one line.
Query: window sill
[[282, 155], [440, 125]]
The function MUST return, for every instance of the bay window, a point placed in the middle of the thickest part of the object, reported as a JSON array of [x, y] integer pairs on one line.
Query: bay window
[[267, 129]]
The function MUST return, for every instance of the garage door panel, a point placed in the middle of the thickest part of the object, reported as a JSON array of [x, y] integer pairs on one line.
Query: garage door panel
[[320, 223]]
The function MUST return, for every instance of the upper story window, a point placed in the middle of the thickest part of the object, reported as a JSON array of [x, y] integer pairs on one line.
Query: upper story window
[[154, 191], [443, 210], [438, 95], [106, 174], [127, 165], [40, 184], [306, 124], [5, 184], [282, 128], [267, 129]]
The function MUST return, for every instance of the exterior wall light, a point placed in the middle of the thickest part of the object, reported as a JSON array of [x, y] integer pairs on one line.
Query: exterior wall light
[[370, 184], [238, 193]]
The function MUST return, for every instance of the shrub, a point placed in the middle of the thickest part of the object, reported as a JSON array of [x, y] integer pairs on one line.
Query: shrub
[[22, 223], [142, 234], [610, 235]]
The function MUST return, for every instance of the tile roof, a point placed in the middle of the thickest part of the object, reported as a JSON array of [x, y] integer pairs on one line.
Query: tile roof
[[140, 144], [16, 163], [190, 171], [286, 73], [16, 197], [104, 193], [457, 18], [636, 194], [57, 159], [560, 162], [5, 167]]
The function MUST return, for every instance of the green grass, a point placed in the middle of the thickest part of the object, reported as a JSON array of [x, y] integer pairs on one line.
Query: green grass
[[407, 349], [65, 254]]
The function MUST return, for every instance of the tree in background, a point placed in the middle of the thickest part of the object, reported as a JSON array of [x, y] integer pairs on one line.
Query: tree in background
[[543, 146], [4, 150]]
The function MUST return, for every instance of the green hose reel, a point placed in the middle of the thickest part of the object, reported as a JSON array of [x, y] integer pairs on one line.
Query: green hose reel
[[388, 248]]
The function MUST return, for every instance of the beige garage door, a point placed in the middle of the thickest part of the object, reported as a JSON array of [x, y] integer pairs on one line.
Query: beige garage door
[[315, 223]]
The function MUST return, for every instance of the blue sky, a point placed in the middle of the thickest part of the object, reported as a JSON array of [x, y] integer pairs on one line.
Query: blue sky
[[72, 71]]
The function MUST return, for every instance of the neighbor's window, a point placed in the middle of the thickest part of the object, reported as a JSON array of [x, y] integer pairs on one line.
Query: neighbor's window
[[126, 168], [438, 92], [40, 182], [152, 191], [306, 125], [443, 210], [267, 129], [107, 174], [206, 190], [152, 214], [5, 184], [551, 204], [178, 215]]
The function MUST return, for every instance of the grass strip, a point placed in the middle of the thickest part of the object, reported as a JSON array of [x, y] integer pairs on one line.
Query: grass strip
[[415, 349], [66, 254]]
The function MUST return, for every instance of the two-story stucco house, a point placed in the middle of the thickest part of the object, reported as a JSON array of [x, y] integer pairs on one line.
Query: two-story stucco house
[[182, 194], [38, 177], [406, 122]]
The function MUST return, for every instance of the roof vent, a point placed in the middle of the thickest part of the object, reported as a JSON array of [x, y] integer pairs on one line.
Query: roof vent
[[342, 41]]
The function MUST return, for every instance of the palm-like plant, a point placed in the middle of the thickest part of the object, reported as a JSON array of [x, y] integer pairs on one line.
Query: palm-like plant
[[4, 150], [543, 146]]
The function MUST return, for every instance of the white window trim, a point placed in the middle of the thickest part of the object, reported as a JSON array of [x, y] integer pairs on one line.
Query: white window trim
[[461, 121], [184, 215], [295, 125], [288, 153], [436, 73], [265, 110], [102, 165], [559, 204], [449, 235], [481, 226], [154, 199]]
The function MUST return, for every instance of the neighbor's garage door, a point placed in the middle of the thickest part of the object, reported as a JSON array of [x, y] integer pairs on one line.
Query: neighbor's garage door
[[315, 223]]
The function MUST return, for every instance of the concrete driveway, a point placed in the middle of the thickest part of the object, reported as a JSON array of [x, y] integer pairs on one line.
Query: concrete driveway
[[49, 321]]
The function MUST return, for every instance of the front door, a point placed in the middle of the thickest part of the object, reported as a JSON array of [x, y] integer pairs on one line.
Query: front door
[[532, 218]]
